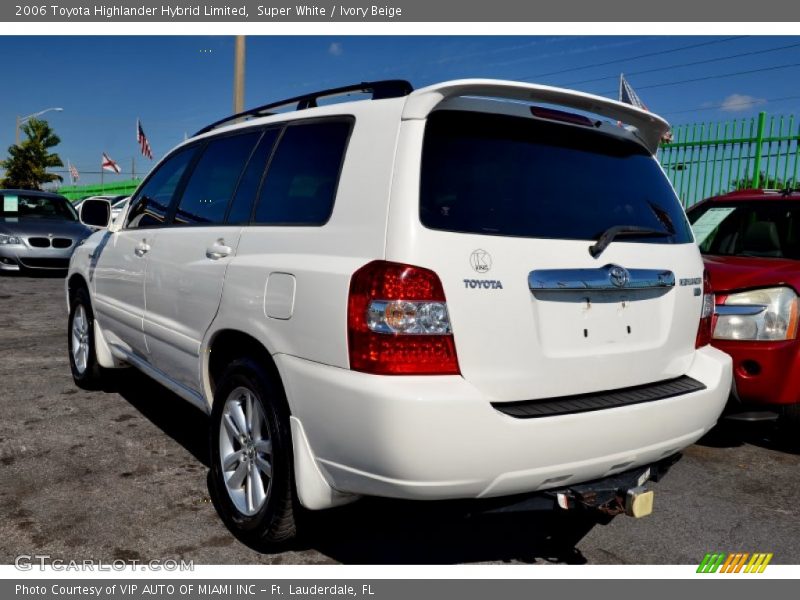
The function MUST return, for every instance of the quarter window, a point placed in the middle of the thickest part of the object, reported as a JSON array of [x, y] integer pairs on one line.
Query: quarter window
[[301, 181], [214, 179]]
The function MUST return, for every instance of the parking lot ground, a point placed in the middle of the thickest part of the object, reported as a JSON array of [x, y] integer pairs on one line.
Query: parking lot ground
[[121, 474]]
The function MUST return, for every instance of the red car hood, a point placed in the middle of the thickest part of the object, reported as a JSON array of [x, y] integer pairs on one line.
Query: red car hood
[[731, 273]]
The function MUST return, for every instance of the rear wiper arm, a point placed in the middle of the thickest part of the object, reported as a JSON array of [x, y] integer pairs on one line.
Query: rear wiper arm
[[609, 234]]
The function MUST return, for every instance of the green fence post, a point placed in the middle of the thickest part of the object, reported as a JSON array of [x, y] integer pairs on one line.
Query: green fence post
[[762, 120]]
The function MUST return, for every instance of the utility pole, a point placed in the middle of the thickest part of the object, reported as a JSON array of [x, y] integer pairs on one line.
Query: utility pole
[[238, 75]]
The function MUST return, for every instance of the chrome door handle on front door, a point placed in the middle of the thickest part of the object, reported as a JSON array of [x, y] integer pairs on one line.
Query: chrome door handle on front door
[[218, 250], [141, 248]]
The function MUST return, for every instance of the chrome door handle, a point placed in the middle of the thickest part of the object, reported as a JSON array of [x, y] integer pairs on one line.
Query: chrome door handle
[[141, 248], [218, 250]]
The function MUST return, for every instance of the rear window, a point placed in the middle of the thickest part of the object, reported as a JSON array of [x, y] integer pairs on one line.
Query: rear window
[[761, 228], [511, 176]]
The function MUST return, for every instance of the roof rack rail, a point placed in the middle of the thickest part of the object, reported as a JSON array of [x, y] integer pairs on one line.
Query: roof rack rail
[[388, 88]]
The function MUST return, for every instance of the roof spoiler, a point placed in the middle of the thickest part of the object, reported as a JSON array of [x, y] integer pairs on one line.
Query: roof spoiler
[[648, 127]]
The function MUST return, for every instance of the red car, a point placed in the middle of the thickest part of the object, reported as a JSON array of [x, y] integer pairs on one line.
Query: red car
[[750, 241]]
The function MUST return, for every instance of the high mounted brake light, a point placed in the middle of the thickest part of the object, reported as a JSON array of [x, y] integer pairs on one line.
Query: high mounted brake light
[[552, 114], [397, 322]]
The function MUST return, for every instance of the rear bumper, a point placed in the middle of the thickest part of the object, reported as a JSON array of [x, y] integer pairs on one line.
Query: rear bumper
[[440, 437]]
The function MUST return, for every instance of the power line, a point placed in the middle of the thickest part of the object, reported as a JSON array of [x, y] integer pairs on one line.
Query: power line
[[688, 64], [637, 57], [709, 77]]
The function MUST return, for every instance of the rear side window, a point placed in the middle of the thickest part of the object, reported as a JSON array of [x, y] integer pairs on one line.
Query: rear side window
[[761, 228], [214, 179], [300, 185], [149, 205], [511, 176]]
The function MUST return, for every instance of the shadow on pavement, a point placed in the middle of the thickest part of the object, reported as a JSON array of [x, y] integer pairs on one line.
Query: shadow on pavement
[[379, 531], [382, 531], [769, 435], [170, 413]]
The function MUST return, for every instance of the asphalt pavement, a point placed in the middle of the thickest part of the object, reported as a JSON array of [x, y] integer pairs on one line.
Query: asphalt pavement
[[121, 474]]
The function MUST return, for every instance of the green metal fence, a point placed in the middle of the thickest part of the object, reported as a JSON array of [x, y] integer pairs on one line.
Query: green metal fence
[[705, 159], [112, 188]]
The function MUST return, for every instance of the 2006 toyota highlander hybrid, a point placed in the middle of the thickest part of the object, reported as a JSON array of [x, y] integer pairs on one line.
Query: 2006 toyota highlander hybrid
[[478, 289]]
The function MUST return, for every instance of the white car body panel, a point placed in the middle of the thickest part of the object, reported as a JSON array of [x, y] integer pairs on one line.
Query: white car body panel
[[183, 288], [421, 437]]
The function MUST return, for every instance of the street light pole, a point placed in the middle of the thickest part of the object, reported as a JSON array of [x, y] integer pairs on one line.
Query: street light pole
[[21, 120]]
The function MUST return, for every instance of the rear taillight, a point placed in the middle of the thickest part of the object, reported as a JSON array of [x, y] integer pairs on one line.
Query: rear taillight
[[397, 322], [706, 314]]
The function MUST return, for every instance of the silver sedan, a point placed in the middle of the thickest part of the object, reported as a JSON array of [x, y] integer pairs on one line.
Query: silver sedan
[[38, 230]]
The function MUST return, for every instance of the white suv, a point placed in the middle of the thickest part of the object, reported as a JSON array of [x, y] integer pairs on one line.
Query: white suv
[[478, 289]]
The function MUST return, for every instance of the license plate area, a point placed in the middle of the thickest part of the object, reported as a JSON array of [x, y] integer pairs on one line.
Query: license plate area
[[583, 322]]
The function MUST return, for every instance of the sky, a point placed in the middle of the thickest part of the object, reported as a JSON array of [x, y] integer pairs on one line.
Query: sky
[[177, 85]]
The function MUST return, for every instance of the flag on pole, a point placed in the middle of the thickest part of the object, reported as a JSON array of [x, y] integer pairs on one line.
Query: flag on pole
[[141, 139], [109, 165], [628, 95], [73, 172]]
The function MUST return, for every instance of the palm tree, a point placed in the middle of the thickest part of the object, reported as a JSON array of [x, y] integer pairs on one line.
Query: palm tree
[[27, 163]]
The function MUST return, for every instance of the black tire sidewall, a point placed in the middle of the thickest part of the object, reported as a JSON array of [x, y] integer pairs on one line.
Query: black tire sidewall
[[259, 527]]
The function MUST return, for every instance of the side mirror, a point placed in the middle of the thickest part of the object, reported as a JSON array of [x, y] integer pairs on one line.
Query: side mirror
[[95, 213]]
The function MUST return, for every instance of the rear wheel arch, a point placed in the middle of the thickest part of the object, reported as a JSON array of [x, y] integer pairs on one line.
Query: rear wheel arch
[[236, 363], [228, 345]]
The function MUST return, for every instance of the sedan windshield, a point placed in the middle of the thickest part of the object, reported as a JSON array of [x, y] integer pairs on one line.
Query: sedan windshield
[[760, 228], [37, 207]]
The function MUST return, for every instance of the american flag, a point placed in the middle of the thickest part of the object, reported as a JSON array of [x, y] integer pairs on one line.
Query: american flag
[[144, 145], [628, 95], [73, 172], [109, 165]]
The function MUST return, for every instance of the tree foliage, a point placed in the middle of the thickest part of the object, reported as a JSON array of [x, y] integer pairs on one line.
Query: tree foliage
[[765, 182], [27, 163]]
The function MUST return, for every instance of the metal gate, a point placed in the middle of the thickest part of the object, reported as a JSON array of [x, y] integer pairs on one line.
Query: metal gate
[[706, 159]]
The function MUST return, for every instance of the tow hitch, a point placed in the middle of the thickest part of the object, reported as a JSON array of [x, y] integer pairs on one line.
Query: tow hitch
[[634, 502], [613, 495], [617, 494]]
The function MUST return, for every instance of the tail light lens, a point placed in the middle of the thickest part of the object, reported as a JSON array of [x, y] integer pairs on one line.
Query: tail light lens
[[706, 314], [397, 322]]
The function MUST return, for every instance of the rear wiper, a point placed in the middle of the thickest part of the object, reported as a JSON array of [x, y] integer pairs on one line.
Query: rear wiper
[[609, 234]]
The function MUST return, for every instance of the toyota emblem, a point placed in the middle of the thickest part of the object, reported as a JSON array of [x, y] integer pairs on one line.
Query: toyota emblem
[[619, 276]]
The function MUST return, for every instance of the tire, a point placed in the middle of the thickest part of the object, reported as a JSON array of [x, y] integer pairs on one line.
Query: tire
[[86, 373], [252, 474]]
